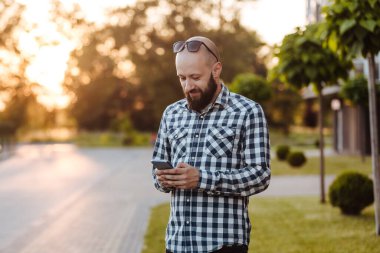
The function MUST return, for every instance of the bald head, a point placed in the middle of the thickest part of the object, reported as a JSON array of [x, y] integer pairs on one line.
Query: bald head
[[202, 48], [210, 46], [206, 57]]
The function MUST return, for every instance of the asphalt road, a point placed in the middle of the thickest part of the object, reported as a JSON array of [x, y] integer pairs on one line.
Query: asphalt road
[[57, 198]]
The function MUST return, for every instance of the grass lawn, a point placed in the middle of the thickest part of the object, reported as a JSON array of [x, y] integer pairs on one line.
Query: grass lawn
[[290, 225], [299, 138], [110, 139], [333, 165]]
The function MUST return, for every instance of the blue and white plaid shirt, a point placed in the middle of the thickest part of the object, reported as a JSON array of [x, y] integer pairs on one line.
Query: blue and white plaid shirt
[[229, 144]]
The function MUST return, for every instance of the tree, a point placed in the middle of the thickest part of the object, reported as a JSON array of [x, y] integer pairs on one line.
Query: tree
[[100, 95], [143, 45], [302, 60], [16, 90], [252, 86], [353, 27]]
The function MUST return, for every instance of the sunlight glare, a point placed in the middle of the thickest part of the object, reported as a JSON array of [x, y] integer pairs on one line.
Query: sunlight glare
[[273, 19], [48, 67], [2, 106]]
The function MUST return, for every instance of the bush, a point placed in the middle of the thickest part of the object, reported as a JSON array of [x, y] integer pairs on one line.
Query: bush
[[351, 192], [282, 152], [252, 86], [296, 159]]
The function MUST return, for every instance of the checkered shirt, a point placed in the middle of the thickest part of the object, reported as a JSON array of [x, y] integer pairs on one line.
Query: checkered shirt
[[229, 144]]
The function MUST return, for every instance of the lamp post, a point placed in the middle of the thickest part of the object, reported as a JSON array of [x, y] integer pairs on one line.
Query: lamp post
[[336, 105]]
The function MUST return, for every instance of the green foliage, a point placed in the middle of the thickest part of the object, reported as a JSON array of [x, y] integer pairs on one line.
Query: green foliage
[[251, 86], [351, 192], [353, 27], [296, 159], [282, 152], [303, 60], [356, 90]]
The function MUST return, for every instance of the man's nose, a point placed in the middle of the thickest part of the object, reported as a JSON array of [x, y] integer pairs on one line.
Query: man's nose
[[189, 85]]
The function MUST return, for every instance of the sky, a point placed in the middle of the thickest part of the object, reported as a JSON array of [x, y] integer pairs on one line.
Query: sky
[[272, 19]]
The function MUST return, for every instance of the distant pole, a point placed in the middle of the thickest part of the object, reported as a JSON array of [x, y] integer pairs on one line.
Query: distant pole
[[374, 139], [321, 146]]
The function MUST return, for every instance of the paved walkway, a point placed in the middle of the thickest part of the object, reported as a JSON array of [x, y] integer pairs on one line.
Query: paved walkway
[[58, 198]]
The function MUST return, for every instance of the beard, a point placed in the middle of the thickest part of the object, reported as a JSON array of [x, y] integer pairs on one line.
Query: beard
[[205, 98]]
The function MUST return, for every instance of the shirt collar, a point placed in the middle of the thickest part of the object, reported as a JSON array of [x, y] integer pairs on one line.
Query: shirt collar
[[222, 98]]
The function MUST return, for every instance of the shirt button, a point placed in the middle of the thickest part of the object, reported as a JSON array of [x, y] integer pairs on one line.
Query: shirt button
[[192, 158], [187, 222], [201, 117], [187, 200], [197, 135]]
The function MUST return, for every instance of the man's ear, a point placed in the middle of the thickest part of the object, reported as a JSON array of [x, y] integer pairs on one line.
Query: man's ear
[[217, 70]]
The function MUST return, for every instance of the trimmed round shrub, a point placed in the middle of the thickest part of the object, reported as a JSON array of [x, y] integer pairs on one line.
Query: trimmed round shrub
[[296, 159], [351, 192], [282, 152]]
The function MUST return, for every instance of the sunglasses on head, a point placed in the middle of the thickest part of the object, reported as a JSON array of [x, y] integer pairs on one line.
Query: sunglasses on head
[[192, 46]]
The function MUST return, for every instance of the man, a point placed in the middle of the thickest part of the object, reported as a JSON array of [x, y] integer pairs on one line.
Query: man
[[218, 142]]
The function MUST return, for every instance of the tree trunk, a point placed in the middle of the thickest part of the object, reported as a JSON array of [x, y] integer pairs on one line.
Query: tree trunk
[[362, 123], [321, 146], [374, 139]]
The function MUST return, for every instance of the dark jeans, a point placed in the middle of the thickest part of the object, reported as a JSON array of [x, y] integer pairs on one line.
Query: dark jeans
[[228, 249]]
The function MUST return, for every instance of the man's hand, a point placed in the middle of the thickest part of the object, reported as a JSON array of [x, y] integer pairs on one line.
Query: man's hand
[[183, 176]]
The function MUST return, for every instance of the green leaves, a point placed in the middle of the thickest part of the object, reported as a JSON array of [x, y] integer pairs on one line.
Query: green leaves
[[373, 3], [355, 90], [356, 26], [368, 24], [346, 25], [251, 86], [303, 59]]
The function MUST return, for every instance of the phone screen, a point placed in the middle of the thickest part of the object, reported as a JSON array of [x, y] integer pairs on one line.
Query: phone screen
[[162, 165]]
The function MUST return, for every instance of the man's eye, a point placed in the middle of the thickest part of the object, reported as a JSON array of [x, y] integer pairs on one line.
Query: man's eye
[[182, 78], [196, 78]]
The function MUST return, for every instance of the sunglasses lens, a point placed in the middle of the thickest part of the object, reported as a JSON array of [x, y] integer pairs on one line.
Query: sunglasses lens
[[178, 46], [193, 46]]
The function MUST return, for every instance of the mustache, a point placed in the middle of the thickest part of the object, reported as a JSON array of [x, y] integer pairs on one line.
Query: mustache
[[194, 90]]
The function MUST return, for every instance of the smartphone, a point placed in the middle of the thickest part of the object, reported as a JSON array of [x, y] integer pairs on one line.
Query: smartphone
[[162, 164]]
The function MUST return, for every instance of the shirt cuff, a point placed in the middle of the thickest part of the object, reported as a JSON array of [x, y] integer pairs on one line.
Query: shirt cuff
[[207, 181]]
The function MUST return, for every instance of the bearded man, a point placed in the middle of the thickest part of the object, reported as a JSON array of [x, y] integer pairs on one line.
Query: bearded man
[[218, 142]]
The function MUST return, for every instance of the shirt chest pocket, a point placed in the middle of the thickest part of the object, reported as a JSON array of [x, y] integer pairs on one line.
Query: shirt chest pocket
[[178, 141], [220, 141]]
